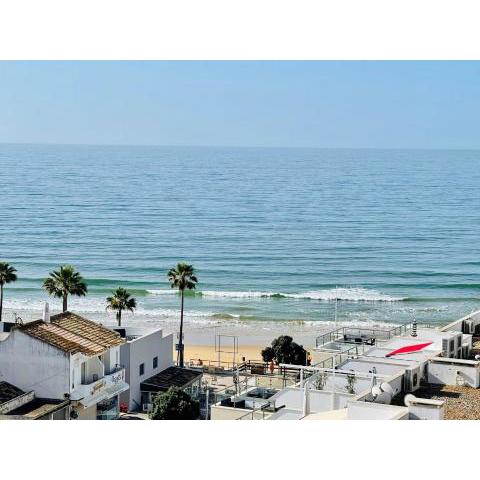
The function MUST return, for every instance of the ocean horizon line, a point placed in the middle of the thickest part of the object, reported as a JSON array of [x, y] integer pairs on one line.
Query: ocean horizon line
[[246, 147]]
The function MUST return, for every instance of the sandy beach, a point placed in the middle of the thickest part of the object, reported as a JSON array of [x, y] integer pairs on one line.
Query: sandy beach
[[207, 352]]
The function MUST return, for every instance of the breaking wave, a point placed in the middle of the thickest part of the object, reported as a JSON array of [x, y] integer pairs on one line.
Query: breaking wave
[[354, 294]]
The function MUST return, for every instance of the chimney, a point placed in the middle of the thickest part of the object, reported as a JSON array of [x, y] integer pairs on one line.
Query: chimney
[[46, 313]]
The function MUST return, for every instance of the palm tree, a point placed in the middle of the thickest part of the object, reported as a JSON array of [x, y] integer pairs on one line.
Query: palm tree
[[182, 277], [7, 275], [64, 282], [121, 300]]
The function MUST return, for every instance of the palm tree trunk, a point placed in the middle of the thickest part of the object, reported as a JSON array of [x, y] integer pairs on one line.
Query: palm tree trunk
[[180, 341], [65, 302], [119, 318], [1, 300]]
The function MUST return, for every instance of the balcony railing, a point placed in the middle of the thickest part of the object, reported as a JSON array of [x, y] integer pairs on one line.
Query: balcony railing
[[95, 388]]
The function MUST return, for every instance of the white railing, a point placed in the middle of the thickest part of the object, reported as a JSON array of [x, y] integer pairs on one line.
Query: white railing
[[97, 387]]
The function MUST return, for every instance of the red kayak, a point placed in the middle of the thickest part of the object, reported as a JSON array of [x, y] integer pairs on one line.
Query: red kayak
[[408, 349]]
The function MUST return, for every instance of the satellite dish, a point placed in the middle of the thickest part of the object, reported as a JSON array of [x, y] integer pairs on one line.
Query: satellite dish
[[382, 393], [477, 357], [376, 391], [409, 399], [387, 388]]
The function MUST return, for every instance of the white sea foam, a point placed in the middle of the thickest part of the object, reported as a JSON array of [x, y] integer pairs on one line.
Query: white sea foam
[[353, 294], [250, 294], [94, 306], [162, 292]]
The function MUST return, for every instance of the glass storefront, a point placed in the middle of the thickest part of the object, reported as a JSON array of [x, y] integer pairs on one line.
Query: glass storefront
[[108, 409]]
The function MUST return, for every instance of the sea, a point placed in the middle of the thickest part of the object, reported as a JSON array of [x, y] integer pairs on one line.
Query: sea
[[281, 238]]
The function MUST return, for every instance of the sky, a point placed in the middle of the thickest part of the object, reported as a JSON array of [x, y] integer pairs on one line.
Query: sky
[[272, 104]]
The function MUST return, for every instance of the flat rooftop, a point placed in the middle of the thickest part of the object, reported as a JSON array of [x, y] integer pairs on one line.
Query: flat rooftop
[[414, 357], [286, 414], [366, 365], [422, 337], [37, 408], [170, 377], [461, 403], [9, 392]]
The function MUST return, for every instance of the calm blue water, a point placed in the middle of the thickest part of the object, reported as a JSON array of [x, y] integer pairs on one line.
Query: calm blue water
[[272, 232]]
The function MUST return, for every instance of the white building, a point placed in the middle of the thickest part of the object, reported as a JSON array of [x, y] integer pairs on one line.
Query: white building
[[66, 356], [145, 353]]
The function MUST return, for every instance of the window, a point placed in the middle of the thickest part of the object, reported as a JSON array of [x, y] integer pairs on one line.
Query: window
[[155, 362], [141, 369]]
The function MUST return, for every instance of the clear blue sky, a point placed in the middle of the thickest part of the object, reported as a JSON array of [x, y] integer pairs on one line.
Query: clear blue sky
[[324, 104]]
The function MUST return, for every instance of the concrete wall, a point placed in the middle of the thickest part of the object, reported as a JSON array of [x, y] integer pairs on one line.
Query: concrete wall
[[16, 402], [93, 366], [375, 411], [218, 412], [319, 400], [444, 372], [143, 350], [31, 364], [89, 413], [426, 410]]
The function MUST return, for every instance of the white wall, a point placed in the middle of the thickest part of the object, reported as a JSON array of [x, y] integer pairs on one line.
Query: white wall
[[111, 359], [218, 412], [143, 350], [375, 411], [420, 410], [31, 364], [445, 373], [319, 400], [89, 413]]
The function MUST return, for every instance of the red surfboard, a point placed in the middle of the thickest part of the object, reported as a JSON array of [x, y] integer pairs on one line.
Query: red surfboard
[[408, 349]]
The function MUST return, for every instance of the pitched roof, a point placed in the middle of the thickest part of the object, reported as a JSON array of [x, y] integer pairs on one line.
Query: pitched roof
[[170, 377], [72, 333]]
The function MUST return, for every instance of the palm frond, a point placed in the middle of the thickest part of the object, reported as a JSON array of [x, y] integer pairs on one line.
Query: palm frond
[[121, 300], [65, 281], [182, 276], [7, 273]]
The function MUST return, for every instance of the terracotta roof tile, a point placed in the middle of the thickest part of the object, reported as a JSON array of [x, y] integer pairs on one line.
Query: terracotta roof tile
[[72, 333]]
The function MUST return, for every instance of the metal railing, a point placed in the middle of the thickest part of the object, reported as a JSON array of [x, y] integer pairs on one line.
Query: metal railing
[[258, 413], [361, 334], [249, 382]]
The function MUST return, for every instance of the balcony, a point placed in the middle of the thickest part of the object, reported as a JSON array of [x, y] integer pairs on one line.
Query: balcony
[[108, 386]]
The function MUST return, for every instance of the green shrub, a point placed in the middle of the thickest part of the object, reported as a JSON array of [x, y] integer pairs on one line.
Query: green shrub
[[174, 404], [285, 350]]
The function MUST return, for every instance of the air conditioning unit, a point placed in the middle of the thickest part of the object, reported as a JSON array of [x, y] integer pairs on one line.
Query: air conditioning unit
[[469, 326], [412, 379], [451, 347], [446, 347]]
